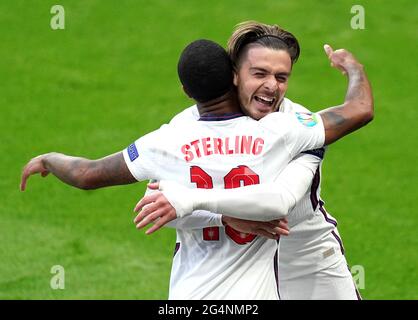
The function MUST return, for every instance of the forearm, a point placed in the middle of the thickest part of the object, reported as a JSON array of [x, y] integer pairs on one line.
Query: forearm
[[356, 111], [70, 170], [88, 174], [269, 201], [264, 202]]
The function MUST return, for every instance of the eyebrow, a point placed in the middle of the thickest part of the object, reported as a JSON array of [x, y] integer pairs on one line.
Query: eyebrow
[[266, 71]]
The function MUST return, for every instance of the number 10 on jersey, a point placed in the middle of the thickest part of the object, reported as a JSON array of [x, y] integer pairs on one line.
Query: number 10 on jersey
[[241, 175]]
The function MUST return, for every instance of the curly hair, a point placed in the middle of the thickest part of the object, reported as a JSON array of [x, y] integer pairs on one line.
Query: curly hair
[[205, 70]]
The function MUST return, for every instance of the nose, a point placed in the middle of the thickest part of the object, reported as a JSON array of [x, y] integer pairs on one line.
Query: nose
[[271, 84]]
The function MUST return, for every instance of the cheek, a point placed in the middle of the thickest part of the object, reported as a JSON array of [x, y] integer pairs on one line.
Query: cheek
[[249, 87], [246, 108], [283, 87]]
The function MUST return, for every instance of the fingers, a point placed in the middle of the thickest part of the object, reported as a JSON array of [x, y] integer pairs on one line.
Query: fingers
[[143, 220], [159, 224], [25, 175], [159, 217], [154, 208], [279, 223], [153, 185], [23, 181], [146, 220], [146, 200], [283, 225], [147, 209], [281, 231], [337, 58], [32, 167], [328, 50], [277, 227], [267, 234]]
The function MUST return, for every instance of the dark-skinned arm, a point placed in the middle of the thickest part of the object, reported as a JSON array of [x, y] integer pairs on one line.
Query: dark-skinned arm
[[80, 172], [357, 109]]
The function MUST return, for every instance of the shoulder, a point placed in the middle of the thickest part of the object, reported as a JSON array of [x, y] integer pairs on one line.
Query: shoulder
[[300, 113], [156, 137], [277, 119], [288, 106], [291, 122], [188, 114]]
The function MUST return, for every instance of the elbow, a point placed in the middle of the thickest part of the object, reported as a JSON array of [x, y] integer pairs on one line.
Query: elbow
[[369, 113], [368, 116], [282, 214], [276, 204], [368, 109], [278, 210], [364, 113]]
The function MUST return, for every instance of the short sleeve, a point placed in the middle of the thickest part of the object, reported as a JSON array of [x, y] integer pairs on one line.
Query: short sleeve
[[143, 156]]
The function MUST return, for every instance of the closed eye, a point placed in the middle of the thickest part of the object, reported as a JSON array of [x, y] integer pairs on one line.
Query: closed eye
[[259, 75]]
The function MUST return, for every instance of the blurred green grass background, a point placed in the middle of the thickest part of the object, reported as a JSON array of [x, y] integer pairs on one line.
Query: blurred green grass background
[[110, 77]]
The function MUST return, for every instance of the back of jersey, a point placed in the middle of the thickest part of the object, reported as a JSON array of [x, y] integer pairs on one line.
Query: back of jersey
[[218, 262]]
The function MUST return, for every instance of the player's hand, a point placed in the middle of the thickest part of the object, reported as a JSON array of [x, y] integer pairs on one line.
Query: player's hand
[[34, 166], [269, 229], [342, 59], [154, 208]]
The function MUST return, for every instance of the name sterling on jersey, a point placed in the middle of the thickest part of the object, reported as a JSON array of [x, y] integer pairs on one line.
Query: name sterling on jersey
[[225, 145]]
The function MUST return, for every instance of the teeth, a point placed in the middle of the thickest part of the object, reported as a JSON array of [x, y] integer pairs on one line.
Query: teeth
[[265, 99], [270, 100]]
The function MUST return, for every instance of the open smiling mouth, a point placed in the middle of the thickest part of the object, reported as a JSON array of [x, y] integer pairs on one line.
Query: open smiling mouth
[[265, 100]]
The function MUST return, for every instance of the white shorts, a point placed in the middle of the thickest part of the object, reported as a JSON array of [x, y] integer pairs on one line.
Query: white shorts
[[333, 283]]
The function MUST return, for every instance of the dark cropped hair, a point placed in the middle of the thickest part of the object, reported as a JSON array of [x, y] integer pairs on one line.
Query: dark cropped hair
[[256, 33], [205, 70]]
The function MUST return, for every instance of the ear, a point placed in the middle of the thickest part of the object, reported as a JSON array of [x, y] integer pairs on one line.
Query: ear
[[187, 94], [235, 78]]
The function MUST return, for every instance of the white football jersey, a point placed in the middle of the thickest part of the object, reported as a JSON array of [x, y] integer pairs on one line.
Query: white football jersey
[[314, 242], [221, 263]]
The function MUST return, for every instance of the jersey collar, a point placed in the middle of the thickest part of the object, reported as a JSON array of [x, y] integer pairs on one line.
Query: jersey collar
[[220, 117]]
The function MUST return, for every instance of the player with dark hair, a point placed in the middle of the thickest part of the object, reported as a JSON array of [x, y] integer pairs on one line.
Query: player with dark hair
[[215, 152], [312, 261], [204, 76]]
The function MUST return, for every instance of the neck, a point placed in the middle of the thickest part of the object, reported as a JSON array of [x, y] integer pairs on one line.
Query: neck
[[228, 103]]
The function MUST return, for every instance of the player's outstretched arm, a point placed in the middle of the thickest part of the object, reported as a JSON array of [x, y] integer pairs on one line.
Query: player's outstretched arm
[[264, 202], [200, 219], [357, 109], [80, 172]]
